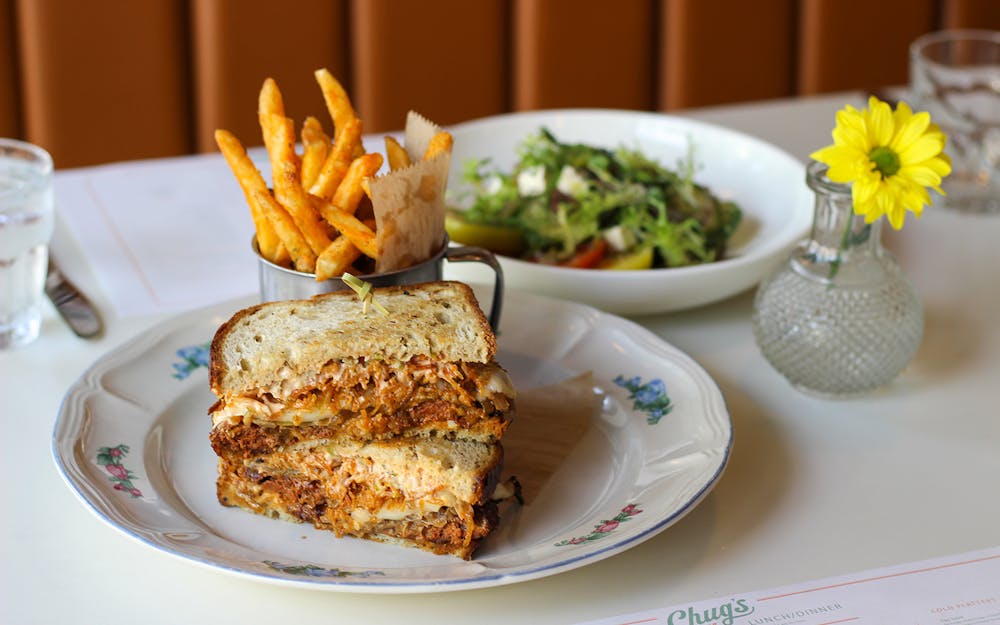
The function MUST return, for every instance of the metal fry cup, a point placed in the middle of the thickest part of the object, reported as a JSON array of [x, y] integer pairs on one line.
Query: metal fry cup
[[281, 283]]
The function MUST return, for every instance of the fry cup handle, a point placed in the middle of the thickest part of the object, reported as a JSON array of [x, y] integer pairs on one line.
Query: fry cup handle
[[465, 254]]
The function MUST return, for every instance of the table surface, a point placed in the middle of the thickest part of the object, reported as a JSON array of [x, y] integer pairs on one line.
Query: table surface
[[814, 487]]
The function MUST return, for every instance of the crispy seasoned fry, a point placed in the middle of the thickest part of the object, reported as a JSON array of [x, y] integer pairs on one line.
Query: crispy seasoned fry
[[336, 259], [269, 102], [338, 160], [440, 142], [352, 187], [337, 101], [281, 256], [292, 196], [349, 226], [396, 154], [316, 147], [317, 214], [281, 146], [251, 182], [288, 186], [291, 237]]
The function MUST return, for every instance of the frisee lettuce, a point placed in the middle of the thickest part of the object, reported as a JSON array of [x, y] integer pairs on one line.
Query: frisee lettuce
[[625, 191]]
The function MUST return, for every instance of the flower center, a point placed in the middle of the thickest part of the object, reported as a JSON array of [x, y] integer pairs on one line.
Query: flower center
[[886, 161]]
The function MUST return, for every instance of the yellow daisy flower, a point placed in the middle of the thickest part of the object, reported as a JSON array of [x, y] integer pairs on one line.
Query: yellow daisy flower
[[890, 158]]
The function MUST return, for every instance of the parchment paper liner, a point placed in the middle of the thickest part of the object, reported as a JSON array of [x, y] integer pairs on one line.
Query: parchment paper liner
[[409, 203]]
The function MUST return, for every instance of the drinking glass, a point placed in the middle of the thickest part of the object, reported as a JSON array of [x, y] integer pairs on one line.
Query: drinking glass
[[955, 76], [26, 222]]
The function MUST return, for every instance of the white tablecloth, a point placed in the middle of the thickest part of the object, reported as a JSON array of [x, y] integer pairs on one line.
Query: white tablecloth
[[814, 488]]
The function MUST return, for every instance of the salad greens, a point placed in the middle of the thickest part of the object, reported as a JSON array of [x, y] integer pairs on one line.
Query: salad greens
[[585, 206]]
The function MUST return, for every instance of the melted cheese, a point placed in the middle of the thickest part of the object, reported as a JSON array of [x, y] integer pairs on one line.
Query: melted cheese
[[373, 390]]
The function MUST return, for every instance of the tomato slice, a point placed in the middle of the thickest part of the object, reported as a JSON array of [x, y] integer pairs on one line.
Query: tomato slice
[[588, 255]]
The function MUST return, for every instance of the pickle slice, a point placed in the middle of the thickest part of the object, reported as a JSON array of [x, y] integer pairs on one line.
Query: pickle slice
[[639, 259], [499, 239]]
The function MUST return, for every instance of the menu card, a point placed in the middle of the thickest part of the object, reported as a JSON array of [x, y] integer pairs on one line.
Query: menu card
[[161, 236], [954, 590]]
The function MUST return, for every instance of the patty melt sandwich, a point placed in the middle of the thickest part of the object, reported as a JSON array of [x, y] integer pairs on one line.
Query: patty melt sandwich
[[380, 424]]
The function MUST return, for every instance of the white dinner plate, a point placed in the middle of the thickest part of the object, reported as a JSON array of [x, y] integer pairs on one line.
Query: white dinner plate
[[767, 182], [131, 440]]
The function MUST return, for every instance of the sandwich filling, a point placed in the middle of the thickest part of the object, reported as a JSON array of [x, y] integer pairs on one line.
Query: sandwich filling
[[371, 490], [373, 399]]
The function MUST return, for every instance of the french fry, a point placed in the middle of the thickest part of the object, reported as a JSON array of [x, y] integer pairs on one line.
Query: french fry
[[349, 226], [350, 190], [396, 154], [440, 142], [317, 214], [281, 255], [336, 259], [288, 186], [269, 102], [303, 257], [251, 182], [292, 196], [337, 101], [280, 145], [338, 160], [315, 148]]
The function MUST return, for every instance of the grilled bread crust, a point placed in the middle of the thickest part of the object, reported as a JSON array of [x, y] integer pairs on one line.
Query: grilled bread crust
[[264, 346]]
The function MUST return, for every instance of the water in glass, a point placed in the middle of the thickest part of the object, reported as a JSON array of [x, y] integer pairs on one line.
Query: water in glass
[[26, 222]]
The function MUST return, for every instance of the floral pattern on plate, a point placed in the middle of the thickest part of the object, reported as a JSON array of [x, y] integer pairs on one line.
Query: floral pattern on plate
[[648, 397], [314, 570], [192, 358], [605, 527], [111, 459]]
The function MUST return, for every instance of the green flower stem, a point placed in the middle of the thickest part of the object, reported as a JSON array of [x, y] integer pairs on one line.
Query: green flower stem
[[844, 242]]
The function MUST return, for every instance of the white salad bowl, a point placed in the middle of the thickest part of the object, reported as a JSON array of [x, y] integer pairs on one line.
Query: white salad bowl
[[766, 182]]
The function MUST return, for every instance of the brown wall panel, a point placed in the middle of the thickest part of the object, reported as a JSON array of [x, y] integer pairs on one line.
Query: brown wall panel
[[583, 53], [840, 51], [10, 124], [445, 59], [236, 44], [725, 51], [983, 14], [107, 80], [104, 80]]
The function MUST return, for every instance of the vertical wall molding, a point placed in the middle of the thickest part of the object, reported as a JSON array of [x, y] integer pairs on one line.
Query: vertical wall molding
[[106, 80]]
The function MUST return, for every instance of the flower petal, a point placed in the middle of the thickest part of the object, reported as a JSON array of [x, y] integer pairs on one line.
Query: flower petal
[[910, 130], [922, 149], [880, 123]]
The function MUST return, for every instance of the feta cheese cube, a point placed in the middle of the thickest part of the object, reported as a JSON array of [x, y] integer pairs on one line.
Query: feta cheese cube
[[618, 238], [531, 181], [492, 185], [570, 182]]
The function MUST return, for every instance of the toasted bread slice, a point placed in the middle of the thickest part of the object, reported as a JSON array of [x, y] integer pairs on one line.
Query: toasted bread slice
[[428, 493], [278, 347], [425, 369]]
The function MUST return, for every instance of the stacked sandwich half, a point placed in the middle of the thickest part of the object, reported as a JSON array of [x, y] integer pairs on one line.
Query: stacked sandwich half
[[383, 424]]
